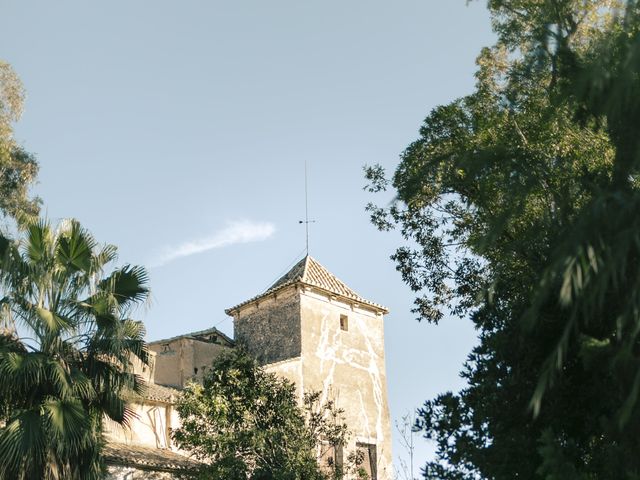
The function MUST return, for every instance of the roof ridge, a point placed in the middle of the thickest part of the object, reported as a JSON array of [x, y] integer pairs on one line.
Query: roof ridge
[[323, 271], [307, 259], [193, 334]]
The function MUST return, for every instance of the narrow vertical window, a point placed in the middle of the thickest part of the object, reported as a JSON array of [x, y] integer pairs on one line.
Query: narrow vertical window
[[330, 458], [344, 322], [367, 458]]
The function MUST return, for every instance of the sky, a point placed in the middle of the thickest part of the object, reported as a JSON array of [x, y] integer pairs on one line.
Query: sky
[[179, 131]]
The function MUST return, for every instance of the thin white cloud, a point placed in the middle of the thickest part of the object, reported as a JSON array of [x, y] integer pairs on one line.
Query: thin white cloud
[[242, 231]]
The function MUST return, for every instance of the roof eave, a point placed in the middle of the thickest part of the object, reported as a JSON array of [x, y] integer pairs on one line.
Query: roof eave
[[193, 335], [360, 301]]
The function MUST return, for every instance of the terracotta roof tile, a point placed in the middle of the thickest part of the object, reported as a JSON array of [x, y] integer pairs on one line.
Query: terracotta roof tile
[[148, 458], [160, 392], [156, 392], [309, 271], [197, 336]]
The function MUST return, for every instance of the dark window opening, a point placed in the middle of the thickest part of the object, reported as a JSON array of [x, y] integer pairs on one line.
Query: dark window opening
[[344, 323], [331, 458], [367, 459], [195, 370]]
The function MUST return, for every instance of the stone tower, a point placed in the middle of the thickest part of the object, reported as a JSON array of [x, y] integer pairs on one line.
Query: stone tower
[[314, 330]]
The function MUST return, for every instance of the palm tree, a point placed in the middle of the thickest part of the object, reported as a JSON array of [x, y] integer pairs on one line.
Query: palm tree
[[66, 351]]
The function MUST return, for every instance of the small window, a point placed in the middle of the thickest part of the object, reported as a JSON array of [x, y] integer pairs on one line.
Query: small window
[[344, 322], [195, 370], [330, 458], [367, 460]]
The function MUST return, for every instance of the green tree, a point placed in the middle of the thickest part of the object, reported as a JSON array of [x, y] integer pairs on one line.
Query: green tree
[[245, 423], [65, 351], [18, 168], [519, 204]]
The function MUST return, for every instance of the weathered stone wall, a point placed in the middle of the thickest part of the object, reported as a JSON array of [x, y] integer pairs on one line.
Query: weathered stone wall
[[183, 359], [298, 335], [349, 367], [270, 328], [146, 372], [168, 367], [203, 355]]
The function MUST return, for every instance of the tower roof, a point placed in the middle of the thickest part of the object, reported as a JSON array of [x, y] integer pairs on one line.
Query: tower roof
[[308, 271]]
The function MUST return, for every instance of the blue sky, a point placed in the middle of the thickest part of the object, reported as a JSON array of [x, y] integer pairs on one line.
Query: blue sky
[[179, 132]]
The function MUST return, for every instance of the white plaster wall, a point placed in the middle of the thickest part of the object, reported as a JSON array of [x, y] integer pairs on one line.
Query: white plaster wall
[[129, 473], [292, 371], [149, 428], [349, 367]]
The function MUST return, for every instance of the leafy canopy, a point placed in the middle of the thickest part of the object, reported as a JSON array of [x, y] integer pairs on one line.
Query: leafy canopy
[[18, 168], [245, 423], [519, 206]]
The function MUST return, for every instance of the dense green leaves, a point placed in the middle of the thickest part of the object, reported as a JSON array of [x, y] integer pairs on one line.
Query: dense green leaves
[[246, 424], [65, 352], [519, 206], [18, 168]]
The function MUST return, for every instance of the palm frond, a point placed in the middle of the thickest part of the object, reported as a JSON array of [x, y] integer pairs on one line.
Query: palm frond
[[38, 242], [67, 422], [127, 285], [74, 251], [76, 365], [22, 440]]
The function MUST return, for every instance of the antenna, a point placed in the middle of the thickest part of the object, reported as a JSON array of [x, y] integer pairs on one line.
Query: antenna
[[306, 220]]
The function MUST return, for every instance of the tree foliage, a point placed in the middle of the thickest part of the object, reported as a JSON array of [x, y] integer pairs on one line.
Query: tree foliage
[[66, 348], [18, 168], [519, 204], [245, 423]]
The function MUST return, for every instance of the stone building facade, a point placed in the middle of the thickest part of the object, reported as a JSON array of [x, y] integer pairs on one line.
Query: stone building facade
[[314, 330], [308, 327], [187, 357], [143, 449]]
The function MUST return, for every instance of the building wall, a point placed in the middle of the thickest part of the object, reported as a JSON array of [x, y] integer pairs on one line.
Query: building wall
[[291, 370], [146, 372], [169, 368], [116, 472], [150, 427], [270, 328], [153, 420], [203, 355], [349, 368], [298, 335], [183, 359]]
